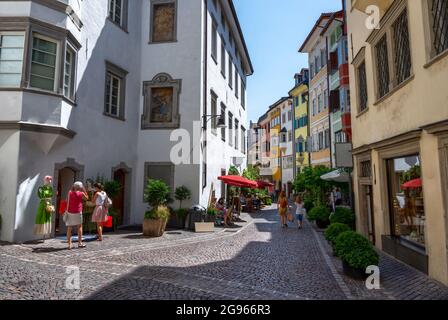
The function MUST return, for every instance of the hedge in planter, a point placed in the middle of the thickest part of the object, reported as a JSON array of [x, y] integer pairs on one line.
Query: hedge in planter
[[343, 215], [321, 215], [155, 221], [356, 252], [334, 230]]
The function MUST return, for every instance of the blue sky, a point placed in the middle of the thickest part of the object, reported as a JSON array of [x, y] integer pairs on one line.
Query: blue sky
[[274, 31]]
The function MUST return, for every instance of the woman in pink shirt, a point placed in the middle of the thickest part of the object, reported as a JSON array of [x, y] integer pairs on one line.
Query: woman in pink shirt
[[74, 212]]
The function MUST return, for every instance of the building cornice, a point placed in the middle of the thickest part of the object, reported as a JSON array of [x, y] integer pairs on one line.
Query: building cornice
[[386, 143], [36, 128], [436, 128]]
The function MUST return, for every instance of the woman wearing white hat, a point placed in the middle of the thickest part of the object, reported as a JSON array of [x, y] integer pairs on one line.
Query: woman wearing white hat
[[73, 216]]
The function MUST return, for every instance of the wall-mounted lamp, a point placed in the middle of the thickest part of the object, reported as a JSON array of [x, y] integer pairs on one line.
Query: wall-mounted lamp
[[220, 123]]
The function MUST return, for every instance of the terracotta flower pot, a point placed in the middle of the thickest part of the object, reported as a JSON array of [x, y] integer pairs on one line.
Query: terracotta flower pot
[[153, 227]]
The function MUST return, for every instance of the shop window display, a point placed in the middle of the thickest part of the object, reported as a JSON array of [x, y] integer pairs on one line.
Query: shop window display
[[406, 199]]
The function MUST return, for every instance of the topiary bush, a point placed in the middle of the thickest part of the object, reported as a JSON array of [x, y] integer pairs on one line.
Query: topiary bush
[[160, 212], [181, 213], [343, 215], [355, 250], [321, 215], [334, 230], [181, 194], [157, 193]]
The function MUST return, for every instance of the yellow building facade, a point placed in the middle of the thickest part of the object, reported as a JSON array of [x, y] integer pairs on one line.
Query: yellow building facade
[[299, 95], [274, 118], [398, 80]]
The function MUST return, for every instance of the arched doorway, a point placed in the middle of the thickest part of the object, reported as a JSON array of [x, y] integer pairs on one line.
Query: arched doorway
[[65, 174], [121, 203]]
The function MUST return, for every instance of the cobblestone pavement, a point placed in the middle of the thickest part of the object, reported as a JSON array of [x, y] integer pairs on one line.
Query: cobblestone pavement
[[259, 260]]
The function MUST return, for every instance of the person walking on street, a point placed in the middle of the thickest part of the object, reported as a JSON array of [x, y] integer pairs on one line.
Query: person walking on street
[[300, 211], [282, 207], [100, 212], [73, 216]]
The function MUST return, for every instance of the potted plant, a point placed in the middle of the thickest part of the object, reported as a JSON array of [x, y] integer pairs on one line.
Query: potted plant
[[177, 219], [321, 215], [208, 221], [357, 253], [333, 231], [156, 195], [343, 215]]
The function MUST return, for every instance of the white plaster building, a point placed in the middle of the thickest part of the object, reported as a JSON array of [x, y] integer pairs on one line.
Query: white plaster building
[[286, 146], [93, 88]]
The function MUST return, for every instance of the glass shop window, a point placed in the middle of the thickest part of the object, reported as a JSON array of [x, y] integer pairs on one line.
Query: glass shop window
[[408, 220]]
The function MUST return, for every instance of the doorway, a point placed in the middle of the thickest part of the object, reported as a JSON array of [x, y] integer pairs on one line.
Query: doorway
[[367, 193], [66, 179], [119, 200]]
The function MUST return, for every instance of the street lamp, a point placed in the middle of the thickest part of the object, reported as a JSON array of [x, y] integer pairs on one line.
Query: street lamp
[[220, 124]]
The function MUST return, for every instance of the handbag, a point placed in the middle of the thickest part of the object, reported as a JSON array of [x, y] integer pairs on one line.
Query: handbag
[[65, 215]]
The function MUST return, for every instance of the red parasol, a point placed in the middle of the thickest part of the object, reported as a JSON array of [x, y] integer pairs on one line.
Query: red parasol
[[413, 184], [263, 184], [237, 181]]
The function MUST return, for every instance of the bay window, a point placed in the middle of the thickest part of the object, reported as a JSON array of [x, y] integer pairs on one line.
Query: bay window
[[11, 59], [44, 61], [69, 74]]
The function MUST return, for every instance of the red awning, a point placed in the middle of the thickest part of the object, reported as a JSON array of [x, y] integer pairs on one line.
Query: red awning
[[413, 184], [237, 181], [263, 184]]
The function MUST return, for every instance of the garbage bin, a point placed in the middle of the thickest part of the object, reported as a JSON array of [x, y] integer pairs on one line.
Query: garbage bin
[[196, 214]]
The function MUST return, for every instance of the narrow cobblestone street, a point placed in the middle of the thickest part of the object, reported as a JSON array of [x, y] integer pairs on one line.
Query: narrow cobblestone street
[[259, 260]]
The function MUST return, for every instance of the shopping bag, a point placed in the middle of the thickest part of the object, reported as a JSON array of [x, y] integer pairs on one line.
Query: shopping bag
[[108, 223], [290, 217]]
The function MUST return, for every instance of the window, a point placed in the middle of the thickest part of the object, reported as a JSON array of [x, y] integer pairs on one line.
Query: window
[[243, 95], [118, 12], [223, 117], [230, 129], [439, 25], [314, 107], [44, 63], [161, 102], [284, 118], [319, 103], [214, 42], [327, 139], [323, 58], [236, 83], [243, 140], [407, 211], [289, 136], [316, 64], [230, 72], [237, 124], [163, 171], [402, 50], [362, 87], [223, 58], [289, 115], [311, 70], [304, 95], [365, 169], [163, 21], [11, 59], [69, 73], [325, 102], [382, 61], [115, 11], [214, 110], [321, 141], [115, 91]]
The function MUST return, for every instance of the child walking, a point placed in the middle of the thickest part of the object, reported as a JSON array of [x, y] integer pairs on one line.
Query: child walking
[[300, 211]]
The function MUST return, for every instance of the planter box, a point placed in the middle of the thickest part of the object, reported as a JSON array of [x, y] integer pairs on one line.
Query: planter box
[[154, 228], [194, 217], [202, 227], [321, 224], [176, 222], [354, 273]]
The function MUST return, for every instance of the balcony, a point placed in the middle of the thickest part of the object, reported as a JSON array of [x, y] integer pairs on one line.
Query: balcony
[[362, 5]]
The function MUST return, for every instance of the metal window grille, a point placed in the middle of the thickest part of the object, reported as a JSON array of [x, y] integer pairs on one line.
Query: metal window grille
[[402, 49], [362, 82], [382, 67], [366, 169], [439, 11]]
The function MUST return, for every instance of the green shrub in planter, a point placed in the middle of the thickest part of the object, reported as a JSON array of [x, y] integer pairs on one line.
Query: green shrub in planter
[[161, 212], [308, 205], [355, 250], [343, 215], [334, 230], [212, 212], [319, 213]]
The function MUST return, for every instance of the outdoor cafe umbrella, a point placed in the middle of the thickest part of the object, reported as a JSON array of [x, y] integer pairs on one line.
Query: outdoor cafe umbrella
[[237, 181], [413, 184], [263, 184]]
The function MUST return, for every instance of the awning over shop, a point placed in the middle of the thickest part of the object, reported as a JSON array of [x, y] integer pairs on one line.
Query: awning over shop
[[237, 181], [336, 176]]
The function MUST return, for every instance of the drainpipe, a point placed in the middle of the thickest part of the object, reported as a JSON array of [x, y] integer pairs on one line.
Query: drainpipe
[[329, 107], [205, 70]]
